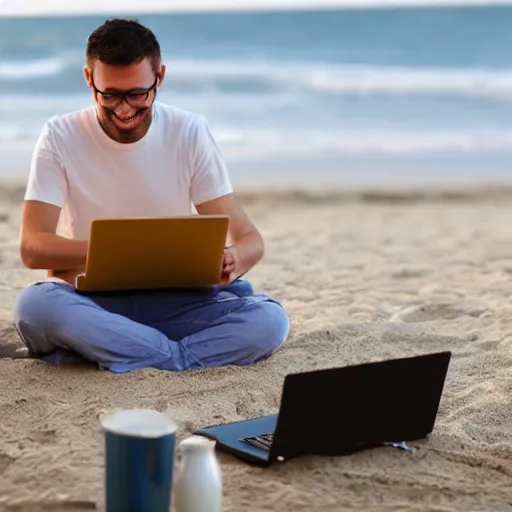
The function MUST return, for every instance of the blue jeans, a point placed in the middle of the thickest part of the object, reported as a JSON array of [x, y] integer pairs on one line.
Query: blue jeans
[[168, 330]]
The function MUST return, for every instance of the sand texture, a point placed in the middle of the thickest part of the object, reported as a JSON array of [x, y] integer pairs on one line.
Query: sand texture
[[364, 277]]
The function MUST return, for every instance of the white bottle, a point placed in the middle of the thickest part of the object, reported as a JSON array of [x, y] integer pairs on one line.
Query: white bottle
[[198, 483]]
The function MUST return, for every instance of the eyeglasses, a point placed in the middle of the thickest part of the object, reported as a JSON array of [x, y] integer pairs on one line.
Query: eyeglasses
[[134, 98]]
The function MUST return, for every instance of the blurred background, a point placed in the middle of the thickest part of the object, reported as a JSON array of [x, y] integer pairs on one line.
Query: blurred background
[[296, 97]]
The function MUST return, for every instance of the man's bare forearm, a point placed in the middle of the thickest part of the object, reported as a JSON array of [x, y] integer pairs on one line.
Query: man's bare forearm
[[250, 250], [52, 252]]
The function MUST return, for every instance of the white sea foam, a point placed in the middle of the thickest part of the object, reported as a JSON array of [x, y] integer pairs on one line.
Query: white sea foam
[[344, 79], [28, 69], [315, 77]]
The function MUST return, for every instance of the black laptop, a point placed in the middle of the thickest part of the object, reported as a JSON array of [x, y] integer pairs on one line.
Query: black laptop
[[342, 410]]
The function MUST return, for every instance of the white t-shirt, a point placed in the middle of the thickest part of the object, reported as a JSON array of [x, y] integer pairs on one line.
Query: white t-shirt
[[78, 168]]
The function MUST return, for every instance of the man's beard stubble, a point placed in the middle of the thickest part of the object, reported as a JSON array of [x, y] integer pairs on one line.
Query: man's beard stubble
[[125, 136]]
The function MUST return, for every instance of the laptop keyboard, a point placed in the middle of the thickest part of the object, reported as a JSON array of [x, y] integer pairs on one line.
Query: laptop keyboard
[[261, 441]]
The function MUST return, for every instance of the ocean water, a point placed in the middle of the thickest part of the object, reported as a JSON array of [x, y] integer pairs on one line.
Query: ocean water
[[414, 94]]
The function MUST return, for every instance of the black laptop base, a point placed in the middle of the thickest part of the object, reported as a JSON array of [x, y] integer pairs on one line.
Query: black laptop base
[[256, 449]]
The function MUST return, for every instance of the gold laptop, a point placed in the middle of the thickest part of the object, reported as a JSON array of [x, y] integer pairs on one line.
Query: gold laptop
[[154, 253]]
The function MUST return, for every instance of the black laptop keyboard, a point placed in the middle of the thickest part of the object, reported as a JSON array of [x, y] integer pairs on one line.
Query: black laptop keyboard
[[261, 441]]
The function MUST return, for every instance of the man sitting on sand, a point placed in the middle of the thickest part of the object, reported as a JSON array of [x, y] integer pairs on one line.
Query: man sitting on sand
[[131, 156]]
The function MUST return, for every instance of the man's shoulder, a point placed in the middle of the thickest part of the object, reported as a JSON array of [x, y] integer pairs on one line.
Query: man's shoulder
[[69, 122], [176, 118]]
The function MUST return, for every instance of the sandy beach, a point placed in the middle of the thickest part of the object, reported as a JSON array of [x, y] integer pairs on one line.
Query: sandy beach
[[364, 276]]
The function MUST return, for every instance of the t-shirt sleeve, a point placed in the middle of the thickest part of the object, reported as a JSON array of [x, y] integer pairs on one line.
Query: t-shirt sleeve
[[210, 178], [47, 180]]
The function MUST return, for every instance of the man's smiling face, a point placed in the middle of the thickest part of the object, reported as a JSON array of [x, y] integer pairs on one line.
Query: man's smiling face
[[124, 96]]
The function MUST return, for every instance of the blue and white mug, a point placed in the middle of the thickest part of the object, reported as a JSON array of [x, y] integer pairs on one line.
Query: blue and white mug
[[139, 459]]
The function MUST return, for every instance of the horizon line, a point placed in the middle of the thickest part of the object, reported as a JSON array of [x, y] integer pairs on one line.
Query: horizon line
[[36, 8]]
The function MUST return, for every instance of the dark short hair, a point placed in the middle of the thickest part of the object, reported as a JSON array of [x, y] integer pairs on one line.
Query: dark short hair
[[121, 42]]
